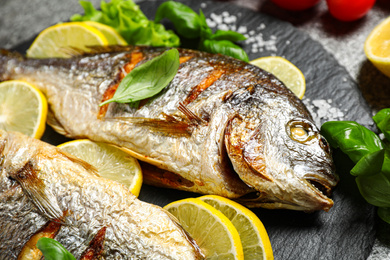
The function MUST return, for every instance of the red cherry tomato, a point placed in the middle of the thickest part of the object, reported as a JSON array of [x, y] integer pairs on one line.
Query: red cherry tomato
[[349, 10], [296, 5]]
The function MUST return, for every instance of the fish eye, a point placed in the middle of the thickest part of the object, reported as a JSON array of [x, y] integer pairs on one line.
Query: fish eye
[[300, 131]]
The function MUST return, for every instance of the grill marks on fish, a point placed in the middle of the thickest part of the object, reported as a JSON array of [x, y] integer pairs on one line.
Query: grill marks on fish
[[135, 57], [29, 250], [95, 249], [207, 82]]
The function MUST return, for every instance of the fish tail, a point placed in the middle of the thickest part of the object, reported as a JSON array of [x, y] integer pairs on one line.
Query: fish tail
[[6, 58]]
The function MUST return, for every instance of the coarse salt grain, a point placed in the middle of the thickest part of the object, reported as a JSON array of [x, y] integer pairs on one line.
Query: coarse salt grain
[[323, 111], [255, 39]]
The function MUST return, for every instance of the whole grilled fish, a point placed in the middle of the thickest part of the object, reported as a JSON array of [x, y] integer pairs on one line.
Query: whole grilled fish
[[45, 192], [221, 126]]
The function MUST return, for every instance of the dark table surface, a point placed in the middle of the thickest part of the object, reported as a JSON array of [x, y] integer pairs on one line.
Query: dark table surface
[[21, 20]]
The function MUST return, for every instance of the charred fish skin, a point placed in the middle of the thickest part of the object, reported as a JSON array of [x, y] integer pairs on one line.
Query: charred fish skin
[[40, 184], [222, 126]]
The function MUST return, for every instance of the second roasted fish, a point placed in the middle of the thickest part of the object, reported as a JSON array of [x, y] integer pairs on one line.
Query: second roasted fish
[[45, 192]]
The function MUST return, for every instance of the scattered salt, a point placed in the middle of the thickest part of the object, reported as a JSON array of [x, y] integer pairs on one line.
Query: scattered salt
[[323, 111], [242, 29], [255, 41], [216, 18], [223, 27]]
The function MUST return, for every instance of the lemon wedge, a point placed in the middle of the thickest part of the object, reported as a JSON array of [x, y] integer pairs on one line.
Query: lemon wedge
[[59, 39], [111, 162], [254, 237], [213, 231], [285, 71], [377, 47], [112, 36], [23, 108]]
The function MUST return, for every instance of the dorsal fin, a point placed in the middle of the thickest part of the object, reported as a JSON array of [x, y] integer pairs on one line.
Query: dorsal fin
[[191, 115], [36, 190]]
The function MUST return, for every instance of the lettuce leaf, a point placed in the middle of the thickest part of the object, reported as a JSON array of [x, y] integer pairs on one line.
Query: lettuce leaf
[[130, 22]]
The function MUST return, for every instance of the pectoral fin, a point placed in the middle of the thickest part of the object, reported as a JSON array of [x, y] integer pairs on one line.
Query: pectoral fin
[[36, 190], [170, 125], [90, 168]]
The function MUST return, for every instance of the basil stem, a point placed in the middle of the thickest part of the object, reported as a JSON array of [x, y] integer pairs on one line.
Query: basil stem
[[232, 36], [147, 79], [53, 250], [225, 47]]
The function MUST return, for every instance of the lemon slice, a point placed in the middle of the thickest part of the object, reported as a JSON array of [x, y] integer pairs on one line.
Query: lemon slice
[[23, 108], [112, 36], [213, 231], [59, 39], [285, 71], [254, 237], [377, 46], [111, 162]]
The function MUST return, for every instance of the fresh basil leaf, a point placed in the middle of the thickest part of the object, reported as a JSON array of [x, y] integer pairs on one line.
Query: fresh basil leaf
[[147, 79], [370, 164], [232, 36], [375, 189], [185, 20], [226, 48], [382, 120], [129, 21], [53, 250], [384, 214], [353, 139]]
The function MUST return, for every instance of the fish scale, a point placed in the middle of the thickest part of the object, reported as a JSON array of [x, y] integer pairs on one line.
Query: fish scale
[[222, 126]]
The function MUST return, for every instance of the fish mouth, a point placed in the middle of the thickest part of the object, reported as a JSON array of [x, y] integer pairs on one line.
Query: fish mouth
[[319, 188], [320, 185]]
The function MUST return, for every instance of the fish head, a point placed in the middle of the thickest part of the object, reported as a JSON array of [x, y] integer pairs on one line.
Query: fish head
[[277, 150]]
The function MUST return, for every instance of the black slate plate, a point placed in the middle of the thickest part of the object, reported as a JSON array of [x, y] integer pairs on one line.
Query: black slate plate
[[347, 230]]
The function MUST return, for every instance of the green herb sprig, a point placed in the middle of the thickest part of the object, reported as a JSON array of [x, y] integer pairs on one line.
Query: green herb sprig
[[53, 250], [370, 154], [191, 25], [148, 79]]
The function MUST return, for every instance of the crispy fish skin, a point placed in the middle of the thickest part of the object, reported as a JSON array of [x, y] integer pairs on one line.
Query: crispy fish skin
[[222, 126], [40, 184]]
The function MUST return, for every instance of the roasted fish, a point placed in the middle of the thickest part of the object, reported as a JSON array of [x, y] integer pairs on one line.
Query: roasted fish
[[45, 192], [222, 126]]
